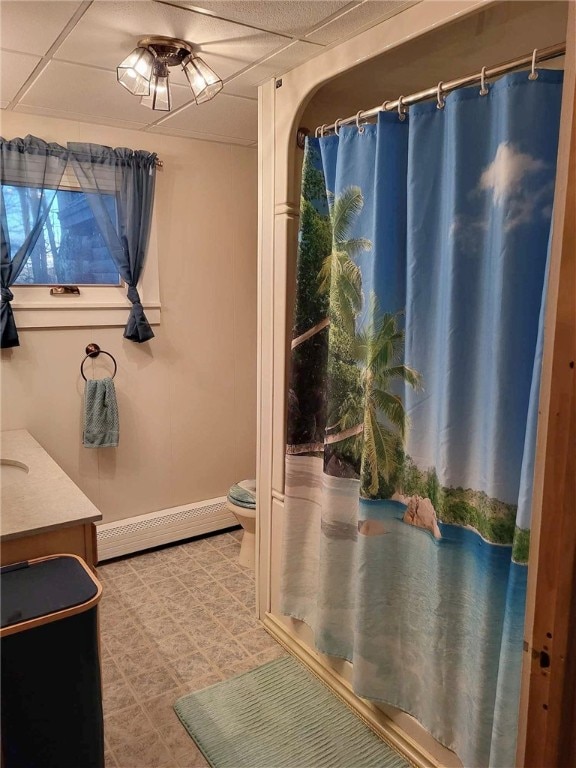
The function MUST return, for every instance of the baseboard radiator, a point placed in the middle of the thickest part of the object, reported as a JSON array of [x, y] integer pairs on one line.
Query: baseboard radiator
[[135, 534]]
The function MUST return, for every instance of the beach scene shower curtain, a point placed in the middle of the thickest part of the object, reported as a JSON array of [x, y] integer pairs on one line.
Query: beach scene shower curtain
[[412, 404]]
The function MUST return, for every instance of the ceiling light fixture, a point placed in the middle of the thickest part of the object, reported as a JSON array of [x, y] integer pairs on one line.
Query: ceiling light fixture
[[145, 72]]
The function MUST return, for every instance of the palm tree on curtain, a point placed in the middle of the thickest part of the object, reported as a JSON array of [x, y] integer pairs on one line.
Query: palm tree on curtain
[[339, 280], [369, 420], [373, 422], [340, 276], [378, 351]]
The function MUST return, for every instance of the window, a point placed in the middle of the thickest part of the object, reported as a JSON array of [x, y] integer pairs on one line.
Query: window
[[91, 202], [70, 249]]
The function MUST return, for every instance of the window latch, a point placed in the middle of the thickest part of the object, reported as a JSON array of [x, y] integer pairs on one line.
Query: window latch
[[65, 290]]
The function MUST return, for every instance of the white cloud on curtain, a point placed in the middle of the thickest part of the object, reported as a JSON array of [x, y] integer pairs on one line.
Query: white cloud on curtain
[[506, 172]]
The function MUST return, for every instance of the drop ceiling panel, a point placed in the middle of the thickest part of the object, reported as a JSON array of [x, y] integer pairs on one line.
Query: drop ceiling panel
[[289, 17], [294, 54], [78, 117], [16, 69], [203, 137], [223, 116], [32, 26], [91, 92], [108, 31], [362, 17]]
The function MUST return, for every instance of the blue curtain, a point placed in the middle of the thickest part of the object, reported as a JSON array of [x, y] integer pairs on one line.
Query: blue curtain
[[129, 176], [30, 173], [413, 403]]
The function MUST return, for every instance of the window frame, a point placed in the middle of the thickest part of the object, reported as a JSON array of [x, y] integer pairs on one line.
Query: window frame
[[97, 305]]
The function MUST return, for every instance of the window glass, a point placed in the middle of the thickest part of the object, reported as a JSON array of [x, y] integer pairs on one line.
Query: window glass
[[70, 249]]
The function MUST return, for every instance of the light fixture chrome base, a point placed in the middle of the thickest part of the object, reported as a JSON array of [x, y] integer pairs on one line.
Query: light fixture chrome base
[[169, 49]]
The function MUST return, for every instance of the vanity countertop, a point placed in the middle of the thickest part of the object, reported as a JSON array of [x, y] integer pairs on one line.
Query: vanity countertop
[[41, 499]]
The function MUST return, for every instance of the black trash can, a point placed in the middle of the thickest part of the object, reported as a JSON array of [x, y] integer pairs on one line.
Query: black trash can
[[51, 688]]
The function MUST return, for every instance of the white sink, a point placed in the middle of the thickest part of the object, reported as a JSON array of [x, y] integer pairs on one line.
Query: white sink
[[12, 471]]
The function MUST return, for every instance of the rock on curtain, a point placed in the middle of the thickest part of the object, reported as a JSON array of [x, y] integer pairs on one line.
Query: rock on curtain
[[129, 176], [30, 173], [413, 399]]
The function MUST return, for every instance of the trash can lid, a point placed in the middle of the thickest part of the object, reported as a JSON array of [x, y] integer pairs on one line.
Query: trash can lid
[[36, 588]]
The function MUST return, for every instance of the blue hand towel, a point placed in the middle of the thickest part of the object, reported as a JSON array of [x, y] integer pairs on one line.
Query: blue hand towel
[[101, 424]]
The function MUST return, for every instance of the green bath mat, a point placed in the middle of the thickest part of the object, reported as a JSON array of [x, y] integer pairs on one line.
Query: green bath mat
[[280, 716]]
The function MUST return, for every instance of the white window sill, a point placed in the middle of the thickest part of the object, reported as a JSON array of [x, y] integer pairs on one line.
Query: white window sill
[[66, 312]]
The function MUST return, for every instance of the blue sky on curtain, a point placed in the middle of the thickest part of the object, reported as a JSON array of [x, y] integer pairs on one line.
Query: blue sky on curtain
[[413, 400]]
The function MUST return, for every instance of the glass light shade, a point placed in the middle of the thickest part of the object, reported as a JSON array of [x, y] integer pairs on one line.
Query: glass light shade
[[135, 72], [159, 96], [203, 81]]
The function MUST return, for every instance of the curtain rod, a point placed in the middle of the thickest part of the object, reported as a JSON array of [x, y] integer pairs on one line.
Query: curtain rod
[[544, 54]]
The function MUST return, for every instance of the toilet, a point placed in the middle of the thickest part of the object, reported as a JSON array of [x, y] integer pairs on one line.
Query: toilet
[[241, 501]]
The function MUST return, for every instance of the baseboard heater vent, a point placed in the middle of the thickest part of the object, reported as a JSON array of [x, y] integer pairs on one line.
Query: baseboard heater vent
[[135, 534]]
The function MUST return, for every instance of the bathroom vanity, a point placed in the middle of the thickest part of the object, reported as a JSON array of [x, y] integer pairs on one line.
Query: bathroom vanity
[[43, 512]]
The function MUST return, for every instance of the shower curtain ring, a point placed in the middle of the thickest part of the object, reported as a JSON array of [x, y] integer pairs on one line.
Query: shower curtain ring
[[322, 130], [483, 89], [401, 112], [533, 74], [358, 126], [317, 132], [440, 100], [337, 126], [384, 104]]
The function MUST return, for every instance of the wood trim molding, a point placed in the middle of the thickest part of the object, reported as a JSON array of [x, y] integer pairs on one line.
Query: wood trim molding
[[265, 341], [549, 705], [91, 545], [374, 718]]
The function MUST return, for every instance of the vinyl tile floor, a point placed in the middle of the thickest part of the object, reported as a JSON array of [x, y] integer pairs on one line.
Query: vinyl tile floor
[[173, 621]]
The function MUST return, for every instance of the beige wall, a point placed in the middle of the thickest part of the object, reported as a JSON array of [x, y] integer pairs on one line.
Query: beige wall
[[187, 398]]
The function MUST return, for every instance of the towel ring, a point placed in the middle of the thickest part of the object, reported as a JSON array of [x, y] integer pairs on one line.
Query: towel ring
[[93, 350], [533, 74]]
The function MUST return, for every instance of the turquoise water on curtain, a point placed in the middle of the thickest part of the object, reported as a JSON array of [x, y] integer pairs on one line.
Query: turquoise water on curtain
[[442, 636]]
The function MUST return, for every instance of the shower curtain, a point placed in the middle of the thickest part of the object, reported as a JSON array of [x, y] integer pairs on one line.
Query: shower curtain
[[413, 400]]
